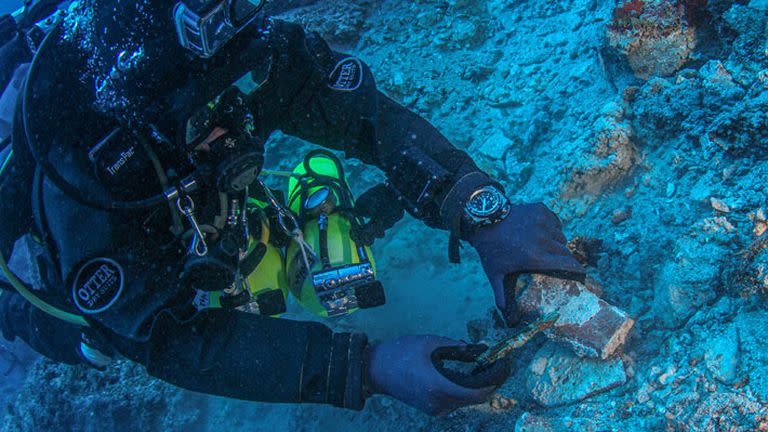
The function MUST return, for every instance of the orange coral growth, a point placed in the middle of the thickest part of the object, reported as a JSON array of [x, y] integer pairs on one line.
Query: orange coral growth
[[631, 8], [625, 13]]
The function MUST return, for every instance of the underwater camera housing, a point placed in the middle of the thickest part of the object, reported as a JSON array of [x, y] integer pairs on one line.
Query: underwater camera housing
[[205, 26]]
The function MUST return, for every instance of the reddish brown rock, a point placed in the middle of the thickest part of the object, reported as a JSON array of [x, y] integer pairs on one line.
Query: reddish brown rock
[[729, 412], [654, 36], [591, 326]]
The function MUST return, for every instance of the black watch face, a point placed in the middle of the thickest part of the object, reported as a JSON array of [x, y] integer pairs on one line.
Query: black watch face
[[485, 203]]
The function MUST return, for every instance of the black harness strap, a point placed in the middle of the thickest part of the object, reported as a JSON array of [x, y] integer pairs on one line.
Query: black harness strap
[[322, 224], [249, 263]]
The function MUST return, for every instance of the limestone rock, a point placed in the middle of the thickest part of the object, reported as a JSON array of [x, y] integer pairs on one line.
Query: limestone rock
[[729, 412], [559, 377], [340, 22], [752, 277], [748, 22], [610, 159], [123, 398], [665, 108], [719, 205], [529, 422], [760, 221], [496, 145], [517, 171], [721, 355], [621, 214], [715, 74], [501, 403], [742, 130], [688, 282], [753, 332]]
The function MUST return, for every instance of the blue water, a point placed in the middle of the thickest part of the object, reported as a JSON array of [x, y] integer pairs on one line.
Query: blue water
[[9, 6]]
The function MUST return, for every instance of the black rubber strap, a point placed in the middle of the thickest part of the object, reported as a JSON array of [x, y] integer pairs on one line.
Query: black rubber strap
[[323, 239], [235, 301], [253, 259], [454, 249], [452, 208]]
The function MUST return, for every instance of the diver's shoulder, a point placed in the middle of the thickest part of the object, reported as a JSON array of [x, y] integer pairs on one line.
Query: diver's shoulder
[[285, 30]]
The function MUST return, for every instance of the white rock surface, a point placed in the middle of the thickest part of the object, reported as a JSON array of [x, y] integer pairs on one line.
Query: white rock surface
[[558, 377], [722, 355]]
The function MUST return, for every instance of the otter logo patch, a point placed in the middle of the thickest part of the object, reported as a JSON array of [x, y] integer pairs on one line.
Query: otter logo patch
[[347, 75], [98, 285]]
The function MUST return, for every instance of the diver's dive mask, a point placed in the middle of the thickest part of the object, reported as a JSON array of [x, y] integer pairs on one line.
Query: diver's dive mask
[[225, 146], [204, 26]]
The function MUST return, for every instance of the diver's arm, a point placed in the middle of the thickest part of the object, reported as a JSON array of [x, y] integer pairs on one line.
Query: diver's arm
[[330, 98], [219, 352], [249, 357], [412, 152]]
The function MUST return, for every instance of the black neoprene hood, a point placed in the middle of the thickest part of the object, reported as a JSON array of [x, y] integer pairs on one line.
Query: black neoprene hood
[[119, 21], [131, 50]]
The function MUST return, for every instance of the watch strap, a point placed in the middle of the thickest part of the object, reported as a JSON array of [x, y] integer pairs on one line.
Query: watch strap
[[452, 207], [454, 249], [470, 222]]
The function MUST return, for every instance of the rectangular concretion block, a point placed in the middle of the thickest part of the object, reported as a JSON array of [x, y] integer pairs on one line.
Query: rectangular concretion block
[[591, 326]]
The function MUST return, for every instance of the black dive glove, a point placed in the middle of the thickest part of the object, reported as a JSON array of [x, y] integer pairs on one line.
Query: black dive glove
[[412, 369], [529, 240], [380, 205]]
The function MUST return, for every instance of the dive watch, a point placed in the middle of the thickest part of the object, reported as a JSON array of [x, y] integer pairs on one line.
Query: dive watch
[[486, 206]]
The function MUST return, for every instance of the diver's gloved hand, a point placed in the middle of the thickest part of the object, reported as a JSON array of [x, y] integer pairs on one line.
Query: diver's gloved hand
[[529, 240], [411, 369], [380, 205]]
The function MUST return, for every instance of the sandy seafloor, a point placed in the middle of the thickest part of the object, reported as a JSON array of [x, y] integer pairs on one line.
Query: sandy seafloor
[[646, 132]]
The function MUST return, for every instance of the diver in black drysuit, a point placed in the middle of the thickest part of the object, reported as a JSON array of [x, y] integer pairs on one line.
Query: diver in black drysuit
[[302, 88]]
